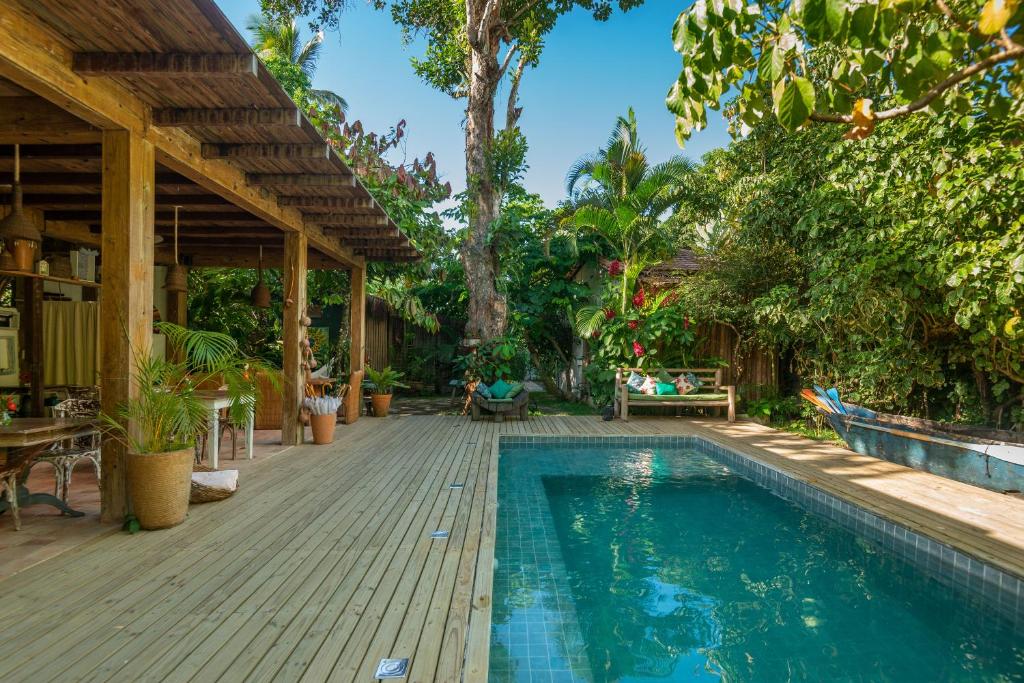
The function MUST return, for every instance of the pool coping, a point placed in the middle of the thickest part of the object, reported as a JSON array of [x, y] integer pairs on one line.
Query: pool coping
[[954, 567]]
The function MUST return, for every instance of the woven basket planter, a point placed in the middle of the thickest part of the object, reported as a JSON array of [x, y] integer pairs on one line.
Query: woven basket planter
[[199, 493], [159, 485]]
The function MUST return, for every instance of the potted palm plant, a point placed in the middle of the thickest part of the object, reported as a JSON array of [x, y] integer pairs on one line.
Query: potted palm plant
[[384, 382], [159, 426]]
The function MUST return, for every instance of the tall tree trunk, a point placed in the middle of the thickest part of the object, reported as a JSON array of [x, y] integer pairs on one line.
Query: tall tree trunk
[[488, 310]]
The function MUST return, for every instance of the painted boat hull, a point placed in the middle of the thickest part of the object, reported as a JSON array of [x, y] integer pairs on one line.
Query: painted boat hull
[[949, 451]]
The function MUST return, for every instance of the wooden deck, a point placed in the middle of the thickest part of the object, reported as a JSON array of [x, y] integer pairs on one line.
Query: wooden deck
[[323, 563]]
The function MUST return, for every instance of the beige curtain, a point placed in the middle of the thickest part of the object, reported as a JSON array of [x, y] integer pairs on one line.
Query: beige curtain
[[71, 353]]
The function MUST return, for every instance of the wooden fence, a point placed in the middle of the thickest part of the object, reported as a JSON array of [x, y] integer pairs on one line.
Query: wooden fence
[[754, 372]]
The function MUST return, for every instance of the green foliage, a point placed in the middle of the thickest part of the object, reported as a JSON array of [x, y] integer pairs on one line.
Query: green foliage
[[854, 63], [890, 267], [497, 358], [384, 380], [168, 414]]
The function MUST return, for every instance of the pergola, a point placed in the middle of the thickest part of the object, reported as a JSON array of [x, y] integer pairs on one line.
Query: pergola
[[127, 110]]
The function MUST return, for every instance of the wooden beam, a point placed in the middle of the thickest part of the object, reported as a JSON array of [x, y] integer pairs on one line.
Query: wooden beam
[[185, 217], [127, 259], [33, 120], [221, 118], [348, 220], [300, 180], [75, 233], [167, 64], [375, 243], [357, 346], [294, 279], [177, 313], [223, 150], [326, 203]]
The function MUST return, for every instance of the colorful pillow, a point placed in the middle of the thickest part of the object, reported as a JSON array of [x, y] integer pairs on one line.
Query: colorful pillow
[[483, 390], [666, 389], [635, 383], [515, 389], [500, 389], [650, 386], [694, 380], [683, 385]]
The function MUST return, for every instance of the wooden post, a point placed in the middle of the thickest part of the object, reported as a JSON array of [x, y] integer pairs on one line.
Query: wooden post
[[34, 348], [294, 276], [357, 349], [126, 325]]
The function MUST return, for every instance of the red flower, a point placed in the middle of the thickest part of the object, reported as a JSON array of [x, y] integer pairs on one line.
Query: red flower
[[638, 299], [670, 299], [633, 324], [638, 349], [686, 322], [595, 334], [615, 268], [609, 314], [11, 405]]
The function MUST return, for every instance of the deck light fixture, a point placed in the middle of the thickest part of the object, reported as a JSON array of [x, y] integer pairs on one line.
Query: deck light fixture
[[260, 294], [177, 279], [392, 668], [20, 235]]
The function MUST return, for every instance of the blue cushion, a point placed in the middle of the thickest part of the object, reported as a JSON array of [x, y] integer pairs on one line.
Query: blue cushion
[[634, 382], [515, 389], [483, 390], [500, 389], [694, 380]]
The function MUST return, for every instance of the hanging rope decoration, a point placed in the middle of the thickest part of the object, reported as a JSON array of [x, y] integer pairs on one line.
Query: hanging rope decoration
[[177, 278]]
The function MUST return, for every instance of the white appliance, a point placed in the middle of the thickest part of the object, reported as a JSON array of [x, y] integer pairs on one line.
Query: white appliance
[[10, 322]]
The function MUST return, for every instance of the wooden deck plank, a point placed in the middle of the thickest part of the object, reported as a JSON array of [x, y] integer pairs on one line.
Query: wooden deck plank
[[272, 585]]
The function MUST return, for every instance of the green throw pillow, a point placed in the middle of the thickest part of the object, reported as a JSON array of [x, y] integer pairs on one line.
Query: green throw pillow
[[500, 389], [483, 390], [667, 389], [515, 389]]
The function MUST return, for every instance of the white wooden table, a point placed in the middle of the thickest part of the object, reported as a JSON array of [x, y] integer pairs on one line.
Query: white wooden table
[[215, 401]]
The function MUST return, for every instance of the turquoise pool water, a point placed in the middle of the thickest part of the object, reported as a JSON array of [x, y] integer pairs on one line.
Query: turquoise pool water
[[662, 564]]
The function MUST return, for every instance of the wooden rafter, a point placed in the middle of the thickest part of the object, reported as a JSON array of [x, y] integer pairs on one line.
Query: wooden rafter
[[347, 219], [164, 64], [227, 118], [265, 151], [28, 120], [300, 179], [325, 203]]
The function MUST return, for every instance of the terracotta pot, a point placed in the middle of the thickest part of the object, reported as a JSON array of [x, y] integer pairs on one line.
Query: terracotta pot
[[323, 427], [24, 253], [159, 486], [381, 404]]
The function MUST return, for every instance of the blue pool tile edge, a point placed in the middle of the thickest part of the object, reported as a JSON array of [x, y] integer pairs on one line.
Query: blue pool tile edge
[[994, 587]]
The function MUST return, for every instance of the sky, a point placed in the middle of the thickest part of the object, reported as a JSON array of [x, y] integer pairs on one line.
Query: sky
[[589, 73]]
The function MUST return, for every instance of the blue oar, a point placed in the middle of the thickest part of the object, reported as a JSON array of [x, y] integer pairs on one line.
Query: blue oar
[[823, 395], [833, 394]]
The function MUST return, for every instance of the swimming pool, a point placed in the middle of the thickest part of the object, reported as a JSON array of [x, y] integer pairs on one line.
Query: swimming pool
[[670, 558]]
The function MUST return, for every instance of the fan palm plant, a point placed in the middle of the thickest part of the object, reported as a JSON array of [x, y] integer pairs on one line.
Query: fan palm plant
[[168, 414], [624, 199], [282, 39]]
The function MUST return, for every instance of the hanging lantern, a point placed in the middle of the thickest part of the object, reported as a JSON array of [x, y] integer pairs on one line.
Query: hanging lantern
[[260, 294], [20, 235], [177, 278]]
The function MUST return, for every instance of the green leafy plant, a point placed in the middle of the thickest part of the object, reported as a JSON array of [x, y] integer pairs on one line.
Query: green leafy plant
[[384, 380], [498, 358], [168, 413]]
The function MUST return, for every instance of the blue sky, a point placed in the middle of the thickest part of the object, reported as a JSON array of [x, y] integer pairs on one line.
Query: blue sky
[[589, 73]]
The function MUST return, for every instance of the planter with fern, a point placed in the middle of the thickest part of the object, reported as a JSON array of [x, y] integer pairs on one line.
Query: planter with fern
[[159, 426], [384, 382]]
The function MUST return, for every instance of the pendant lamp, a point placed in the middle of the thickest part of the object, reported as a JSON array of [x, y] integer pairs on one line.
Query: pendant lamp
[[20, 235], [177, 278], [260, 294]]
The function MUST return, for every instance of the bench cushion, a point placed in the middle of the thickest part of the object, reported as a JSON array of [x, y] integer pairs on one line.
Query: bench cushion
[[683, 398]]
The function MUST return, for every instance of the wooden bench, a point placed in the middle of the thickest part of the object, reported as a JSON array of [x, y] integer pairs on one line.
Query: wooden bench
[[712, 393]]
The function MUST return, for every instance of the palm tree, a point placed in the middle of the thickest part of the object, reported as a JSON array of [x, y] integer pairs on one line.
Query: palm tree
[[624, 199], [282, 39]]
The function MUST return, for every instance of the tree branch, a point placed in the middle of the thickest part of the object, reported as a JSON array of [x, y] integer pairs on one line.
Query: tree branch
[[512, 50], [1017, 52], [513, 112], [521, 12]]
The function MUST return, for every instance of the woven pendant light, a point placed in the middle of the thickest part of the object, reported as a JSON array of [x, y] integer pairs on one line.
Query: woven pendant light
[[260, 294], [20, 235], [177, 278]]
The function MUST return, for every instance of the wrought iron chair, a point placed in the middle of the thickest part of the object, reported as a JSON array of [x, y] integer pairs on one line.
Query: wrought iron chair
[[66, 454]]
